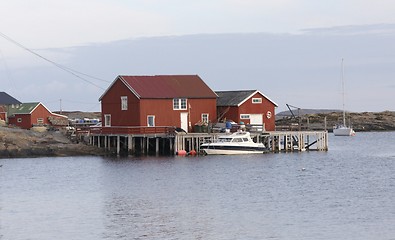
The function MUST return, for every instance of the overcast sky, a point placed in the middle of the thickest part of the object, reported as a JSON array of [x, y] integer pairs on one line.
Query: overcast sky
[[289, 49]]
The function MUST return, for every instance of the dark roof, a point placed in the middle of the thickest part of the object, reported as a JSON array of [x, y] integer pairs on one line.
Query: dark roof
[[6, 99], [236, 98], [232, 98], [167, 86]]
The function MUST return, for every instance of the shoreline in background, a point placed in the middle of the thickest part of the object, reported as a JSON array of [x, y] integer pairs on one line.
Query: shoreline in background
[[315, 120], [19, 143]]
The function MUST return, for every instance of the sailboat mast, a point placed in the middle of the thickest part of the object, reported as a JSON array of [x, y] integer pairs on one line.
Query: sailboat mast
[[344, 108]]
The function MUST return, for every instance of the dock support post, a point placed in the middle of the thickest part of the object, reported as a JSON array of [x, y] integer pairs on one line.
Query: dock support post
[[279, 143], [157, 146], [172, 142], [147, 145], [118, 144], [129, 144], [142, 145]]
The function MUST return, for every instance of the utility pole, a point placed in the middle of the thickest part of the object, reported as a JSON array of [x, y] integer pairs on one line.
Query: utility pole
[[60, 103]]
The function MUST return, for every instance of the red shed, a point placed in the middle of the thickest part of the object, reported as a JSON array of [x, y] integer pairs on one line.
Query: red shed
[[161, 100], [28, 115], [248, 106]]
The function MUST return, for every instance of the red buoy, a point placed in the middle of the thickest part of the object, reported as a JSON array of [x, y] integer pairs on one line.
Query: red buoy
[[181, 153], [192, 152]]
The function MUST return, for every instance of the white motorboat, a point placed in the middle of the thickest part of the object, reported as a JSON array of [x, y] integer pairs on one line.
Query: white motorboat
[[343, 130], [235, 143]]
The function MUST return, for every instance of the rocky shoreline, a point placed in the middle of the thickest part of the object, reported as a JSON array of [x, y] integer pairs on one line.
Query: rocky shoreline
[[19, 143], [361, 122]]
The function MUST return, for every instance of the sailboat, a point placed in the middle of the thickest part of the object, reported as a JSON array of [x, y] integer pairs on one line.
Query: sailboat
[[343, 130]]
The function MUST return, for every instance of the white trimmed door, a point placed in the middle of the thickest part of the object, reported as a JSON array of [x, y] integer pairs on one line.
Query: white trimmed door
[[256, 119], [184, 121]]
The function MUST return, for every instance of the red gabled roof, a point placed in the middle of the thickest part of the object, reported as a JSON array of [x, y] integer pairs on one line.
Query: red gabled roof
[[167, 86]]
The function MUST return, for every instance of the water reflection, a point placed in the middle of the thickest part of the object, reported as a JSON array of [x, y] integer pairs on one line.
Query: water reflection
[[148, 203], [346, 193]]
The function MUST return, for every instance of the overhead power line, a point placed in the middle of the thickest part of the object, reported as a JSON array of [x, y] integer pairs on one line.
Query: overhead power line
[[64, 68]]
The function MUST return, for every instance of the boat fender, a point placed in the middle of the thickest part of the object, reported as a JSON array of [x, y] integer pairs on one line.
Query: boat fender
[[192, 152], [181, 153]]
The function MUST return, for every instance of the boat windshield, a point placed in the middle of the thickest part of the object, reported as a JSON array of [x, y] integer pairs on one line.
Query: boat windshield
[[237, 140], [224, 139]]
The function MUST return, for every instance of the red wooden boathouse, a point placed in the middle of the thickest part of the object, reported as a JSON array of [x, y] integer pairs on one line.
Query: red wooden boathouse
[[156, 101], [248, 106]]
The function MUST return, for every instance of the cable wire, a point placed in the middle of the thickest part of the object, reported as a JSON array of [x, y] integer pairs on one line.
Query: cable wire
[[66, 69]]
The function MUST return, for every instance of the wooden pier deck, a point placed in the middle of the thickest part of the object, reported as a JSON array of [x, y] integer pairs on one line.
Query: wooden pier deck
[[173, 143]]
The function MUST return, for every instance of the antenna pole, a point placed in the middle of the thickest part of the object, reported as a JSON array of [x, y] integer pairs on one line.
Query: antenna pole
[[344, 108], [60, 104]]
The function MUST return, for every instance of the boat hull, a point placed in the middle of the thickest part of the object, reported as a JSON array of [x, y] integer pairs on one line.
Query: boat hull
[[231, 150], [343, 131]]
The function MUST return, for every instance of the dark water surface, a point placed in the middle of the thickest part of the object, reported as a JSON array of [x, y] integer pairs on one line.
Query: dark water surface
[[345, 193]]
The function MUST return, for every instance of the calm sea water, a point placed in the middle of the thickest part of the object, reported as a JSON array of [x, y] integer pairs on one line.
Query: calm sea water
[[345, 193]]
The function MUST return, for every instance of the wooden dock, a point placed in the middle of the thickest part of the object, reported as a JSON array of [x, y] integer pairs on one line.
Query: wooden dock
[[174, 143]]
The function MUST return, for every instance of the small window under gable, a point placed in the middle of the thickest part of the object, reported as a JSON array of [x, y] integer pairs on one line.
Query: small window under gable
[[256, 100], [19, 120], [151, 121], [244, 116], [40, 121], [124, 103]]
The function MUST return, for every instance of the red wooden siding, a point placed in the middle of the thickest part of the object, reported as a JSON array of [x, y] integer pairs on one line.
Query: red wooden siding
[[25, 122], [230, 113], [111, 104], [164, 114], [40, 112]]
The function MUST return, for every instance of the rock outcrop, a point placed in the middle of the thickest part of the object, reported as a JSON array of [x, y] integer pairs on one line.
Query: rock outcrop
[[28, 143]]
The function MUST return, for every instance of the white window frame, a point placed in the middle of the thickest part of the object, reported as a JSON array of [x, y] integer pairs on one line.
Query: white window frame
[[180, 104], [107, 120], [205, 117], [124, 103], [19, 120], [244, 116], [40, 120], [153, 120], [256, 100]]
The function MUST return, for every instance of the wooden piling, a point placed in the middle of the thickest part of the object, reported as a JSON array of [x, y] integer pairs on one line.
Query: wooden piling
[[276, 141]]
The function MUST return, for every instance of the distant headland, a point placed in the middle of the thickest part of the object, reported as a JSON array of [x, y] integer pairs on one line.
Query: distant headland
[[310, 119]]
